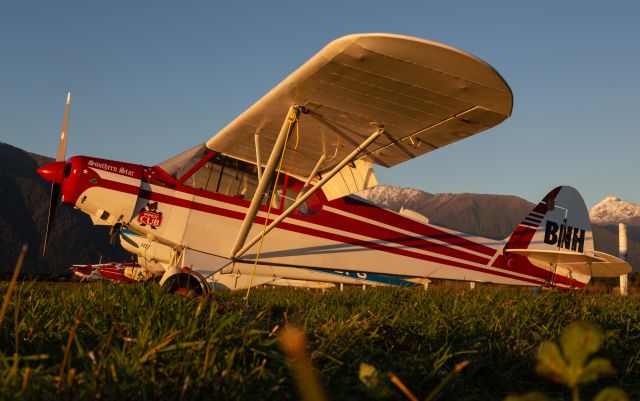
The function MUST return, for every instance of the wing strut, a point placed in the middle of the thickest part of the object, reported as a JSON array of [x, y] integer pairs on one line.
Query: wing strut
[[306, 195], [258, 161], [288, 126], [313, 174]]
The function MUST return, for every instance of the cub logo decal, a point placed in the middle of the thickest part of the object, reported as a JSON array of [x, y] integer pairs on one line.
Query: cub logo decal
[[149, 215]]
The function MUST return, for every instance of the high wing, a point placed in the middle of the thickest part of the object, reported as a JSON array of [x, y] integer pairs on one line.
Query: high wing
[[424, 95]]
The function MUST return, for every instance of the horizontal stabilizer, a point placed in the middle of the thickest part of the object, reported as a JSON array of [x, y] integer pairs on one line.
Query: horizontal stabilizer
[[611, 267], [555, 257], [599, 265]]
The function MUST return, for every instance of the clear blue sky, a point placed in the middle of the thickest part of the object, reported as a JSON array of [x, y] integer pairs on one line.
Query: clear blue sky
[[150, 79]]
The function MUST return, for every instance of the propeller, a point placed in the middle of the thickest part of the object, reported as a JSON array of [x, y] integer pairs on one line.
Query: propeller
[[54, 172], [114, 231]]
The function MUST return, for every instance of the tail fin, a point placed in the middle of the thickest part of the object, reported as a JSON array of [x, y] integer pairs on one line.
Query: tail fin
[[555, 236], [560, 222]]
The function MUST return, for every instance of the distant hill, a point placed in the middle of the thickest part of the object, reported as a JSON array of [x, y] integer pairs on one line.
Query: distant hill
[[495, 216], [24, 203], [491, 216]]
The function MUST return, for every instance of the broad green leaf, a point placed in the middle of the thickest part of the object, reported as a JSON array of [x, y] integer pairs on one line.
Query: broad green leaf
[[578, 341], [374, 381], [596, 368], [254, 332], [611, 394], [534, 396], [550, 363], [367, 373]]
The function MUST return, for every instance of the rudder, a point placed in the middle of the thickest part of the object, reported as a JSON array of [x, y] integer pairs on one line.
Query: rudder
[[560, 221], [555, 236]]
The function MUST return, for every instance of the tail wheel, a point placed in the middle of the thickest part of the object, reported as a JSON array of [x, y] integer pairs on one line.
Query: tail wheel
[[185, 284]]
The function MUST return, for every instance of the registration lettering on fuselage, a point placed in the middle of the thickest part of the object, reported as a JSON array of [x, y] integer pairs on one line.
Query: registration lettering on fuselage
[[564, 236]]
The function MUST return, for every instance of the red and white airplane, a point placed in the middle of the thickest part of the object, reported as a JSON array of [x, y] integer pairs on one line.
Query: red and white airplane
[[269, 197], [127, 272]]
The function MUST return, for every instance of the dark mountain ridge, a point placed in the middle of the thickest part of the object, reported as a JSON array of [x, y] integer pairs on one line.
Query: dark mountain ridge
[[24, 203]]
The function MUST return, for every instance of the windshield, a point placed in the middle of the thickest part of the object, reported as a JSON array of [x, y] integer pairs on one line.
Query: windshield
[[179, 164]]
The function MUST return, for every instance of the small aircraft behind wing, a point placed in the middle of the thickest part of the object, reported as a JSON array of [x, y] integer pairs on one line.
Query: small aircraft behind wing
[[127, 272], [272, 190]]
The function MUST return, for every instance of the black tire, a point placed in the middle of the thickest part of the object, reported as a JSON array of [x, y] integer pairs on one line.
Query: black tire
[[183, 284]]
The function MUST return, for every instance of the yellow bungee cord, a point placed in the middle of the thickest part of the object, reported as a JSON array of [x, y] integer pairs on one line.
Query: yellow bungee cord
[[293, 118]]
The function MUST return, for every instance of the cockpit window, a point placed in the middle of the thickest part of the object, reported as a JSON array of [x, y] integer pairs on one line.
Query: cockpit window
[[181, 163], [226, 176]]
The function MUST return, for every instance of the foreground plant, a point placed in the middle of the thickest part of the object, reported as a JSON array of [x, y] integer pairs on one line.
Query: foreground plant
[[294, 344], [570, 365], [378, 383]]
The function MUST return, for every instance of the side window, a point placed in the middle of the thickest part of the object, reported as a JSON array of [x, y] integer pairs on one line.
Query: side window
[[201, 177], [289, 197], [217, 169], [247, 184], [237, 179], [226, 176]]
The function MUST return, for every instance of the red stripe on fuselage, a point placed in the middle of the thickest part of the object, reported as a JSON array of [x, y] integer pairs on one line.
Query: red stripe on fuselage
[[357, 207], [447, 237], [330, 220], [343, 223], [398, 251], [360, 208], [326, 235], [339, 222]]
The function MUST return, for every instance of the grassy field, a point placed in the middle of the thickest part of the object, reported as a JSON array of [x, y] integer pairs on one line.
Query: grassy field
[[135, 342]]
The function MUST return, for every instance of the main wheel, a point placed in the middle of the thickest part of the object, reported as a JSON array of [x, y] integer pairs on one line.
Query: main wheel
[[183, 284]]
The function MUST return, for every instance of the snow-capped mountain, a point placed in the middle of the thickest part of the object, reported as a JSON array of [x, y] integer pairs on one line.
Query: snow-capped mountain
[[492, 216], [613, 210], [394, 198]]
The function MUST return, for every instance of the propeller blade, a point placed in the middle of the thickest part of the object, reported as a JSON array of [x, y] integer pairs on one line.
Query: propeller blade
[[55, 174], [62, 145], [53, 204], [114, 231]]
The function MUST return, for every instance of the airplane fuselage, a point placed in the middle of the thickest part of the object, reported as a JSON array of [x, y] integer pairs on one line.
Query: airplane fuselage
[[191, 226]]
